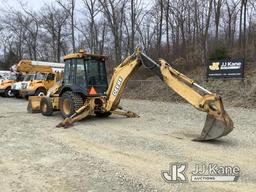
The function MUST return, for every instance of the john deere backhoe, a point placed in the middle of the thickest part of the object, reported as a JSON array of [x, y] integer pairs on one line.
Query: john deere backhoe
[[85, 91]]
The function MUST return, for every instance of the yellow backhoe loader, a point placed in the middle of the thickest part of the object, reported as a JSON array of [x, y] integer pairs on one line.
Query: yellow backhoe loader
[[85, 91]]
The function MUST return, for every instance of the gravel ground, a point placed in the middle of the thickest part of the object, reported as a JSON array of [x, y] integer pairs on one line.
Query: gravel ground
[[119, 154]]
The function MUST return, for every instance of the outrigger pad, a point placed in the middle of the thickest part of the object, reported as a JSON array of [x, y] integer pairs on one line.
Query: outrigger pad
[[65, 124], [216, 126]]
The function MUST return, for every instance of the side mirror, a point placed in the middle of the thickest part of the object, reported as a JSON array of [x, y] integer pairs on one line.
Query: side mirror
[[50, 77]]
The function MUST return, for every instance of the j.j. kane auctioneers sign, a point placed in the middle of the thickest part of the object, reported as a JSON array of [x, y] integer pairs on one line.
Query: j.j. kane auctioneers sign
[[233, 68]]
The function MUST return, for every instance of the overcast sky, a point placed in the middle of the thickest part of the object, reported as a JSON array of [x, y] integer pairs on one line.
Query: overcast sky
[[29, 4], [37, 4], [32, 4]]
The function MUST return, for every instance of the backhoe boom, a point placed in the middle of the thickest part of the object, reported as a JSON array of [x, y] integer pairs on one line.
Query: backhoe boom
[[217, 124]]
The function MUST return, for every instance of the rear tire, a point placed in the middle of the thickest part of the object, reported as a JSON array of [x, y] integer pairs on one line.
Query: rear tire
[[40, 92], [70, 102], [46, 107], [8, 92]]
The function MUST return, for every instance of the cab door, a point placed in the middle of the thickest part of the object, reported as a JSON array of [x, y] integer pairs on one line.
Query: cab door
[[96, 75]]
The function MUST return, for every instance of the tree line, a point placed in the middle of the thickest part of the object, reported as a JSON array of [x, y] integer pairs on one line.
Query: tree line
[[184, 31]]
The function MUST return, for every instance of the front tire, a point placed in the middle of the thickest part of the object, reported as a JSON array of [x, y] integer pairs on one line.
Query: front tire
[[46, 107], [8, 92], [70, 102]]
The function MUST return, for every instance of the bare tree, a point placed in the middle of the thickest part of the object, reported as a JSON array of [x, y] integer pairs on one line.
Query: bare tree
[[147, 31], [244, 2], [167, 7], [69, 7], [93, 9], [231, 20], [160, 3], [114, 13], [207, 25], [53, 21], [217, 14], [135, 15]]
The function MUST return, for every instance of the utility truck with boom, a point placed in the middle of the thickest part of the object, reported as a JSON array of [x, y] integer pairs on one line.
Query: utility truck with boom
[[85, 91], [42, 76], [45, 74]]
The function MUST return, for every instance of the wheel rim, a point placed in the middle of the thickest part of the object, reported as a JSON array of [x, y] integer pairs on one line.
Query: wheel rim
[[66, 106], [41, 94], [10, 93]]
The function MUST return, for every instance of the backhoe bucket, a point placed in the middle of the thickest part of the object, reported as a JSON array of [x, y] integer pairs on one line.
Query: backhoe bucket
[[34, 104], [216, 126]]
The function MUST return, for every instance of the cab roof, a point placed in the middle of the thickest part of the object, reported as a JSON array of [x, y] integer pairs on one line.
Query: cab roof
[[83, 54]]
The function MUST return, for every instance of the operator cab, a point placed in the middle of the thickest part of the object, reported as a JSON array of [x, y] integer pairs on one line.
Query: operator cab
[[86, 73]]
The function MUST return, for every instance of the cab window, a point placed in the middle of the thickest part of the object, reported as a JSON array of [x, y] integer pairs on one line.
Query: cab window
[[69, 71], [28, 77], [80, 73], [40, 76]]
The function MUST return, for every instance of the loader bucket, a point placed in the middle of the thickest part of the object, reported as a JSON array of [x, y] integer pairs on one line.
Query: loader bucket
[[34, 104], [216, 126]]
